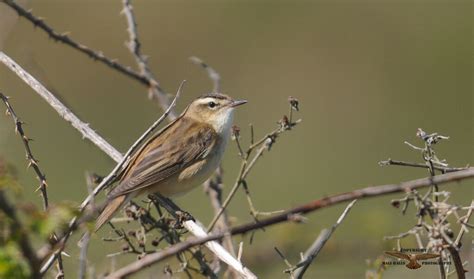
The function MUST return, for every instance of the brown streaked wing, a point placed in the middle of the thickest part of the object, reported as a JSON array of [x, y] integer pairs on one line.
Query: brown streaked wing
[[167, 154], [145, 146], [398, 255]]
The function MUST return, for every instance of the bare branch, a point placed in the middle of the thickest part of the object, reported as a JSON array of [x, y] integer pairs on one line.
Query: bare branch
[[319, 243], [391, 162], [368, 192], [213, 74]]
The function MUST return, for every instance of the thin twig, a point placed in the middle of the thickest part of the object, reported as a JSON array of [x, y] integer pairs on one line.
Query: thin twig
[[134, 46], [213, 74], [391, 162], [319, 243]]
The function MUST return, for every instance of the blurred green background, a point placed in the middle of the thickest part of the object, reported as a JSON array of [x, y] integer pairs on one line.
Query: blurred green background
[[367, 74]]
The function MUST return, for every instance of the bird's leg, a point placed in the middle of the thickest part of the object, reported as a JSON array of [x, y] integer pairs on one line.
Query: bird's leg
[[180, 215]]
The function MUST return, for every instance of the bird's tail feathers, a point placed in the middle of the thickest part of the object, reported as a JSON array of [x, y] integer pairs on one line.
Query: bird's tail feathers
[[109, 210]]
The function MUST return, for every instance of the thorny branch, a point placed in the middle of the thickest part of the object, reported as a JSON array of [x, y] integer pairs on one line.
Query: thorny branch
[[33, 162], [95, 55]]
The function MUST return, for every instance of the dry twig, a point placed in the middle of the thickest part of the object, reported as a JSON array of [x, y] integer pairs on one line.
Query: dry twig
[[319, 243]]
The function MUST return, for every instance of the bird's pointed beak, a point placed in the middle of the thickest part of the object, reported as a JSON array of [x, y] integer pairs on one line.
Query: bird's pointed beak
[[237, 103]]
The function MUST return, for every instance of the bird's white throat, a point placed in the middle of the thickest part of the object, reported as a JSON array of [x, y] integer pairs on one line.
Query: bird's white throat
[[223, 122]]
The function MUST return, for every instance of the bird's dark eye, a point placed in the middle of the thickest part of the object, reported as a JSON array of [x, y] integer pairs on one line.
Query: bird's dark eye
[[212, 104]]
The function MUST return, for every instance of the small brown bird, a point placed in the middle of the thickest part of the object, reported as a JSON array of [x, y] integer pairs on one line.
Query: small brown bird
[[412, 258], [181, 156]]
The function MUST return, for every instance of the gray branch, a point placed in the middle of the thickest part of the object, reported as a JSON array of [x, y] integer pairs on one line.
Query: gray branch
[[319, 243]]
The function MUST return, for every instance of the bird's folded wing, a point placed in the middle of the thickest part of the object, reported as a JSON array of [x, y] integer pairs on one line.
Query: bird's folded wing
[[160, 160]]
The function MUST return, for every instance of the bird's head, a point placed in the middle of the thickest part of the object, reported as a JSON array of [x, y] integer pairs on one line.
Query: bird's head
[[214, 109]]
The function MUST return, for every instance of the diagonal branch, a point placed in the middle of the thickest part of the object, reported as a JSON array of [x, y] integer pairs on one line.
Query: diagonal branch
[[319, 243], [213, 74], [32, 161], [289, 215], [60, 108], [368, 192]]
